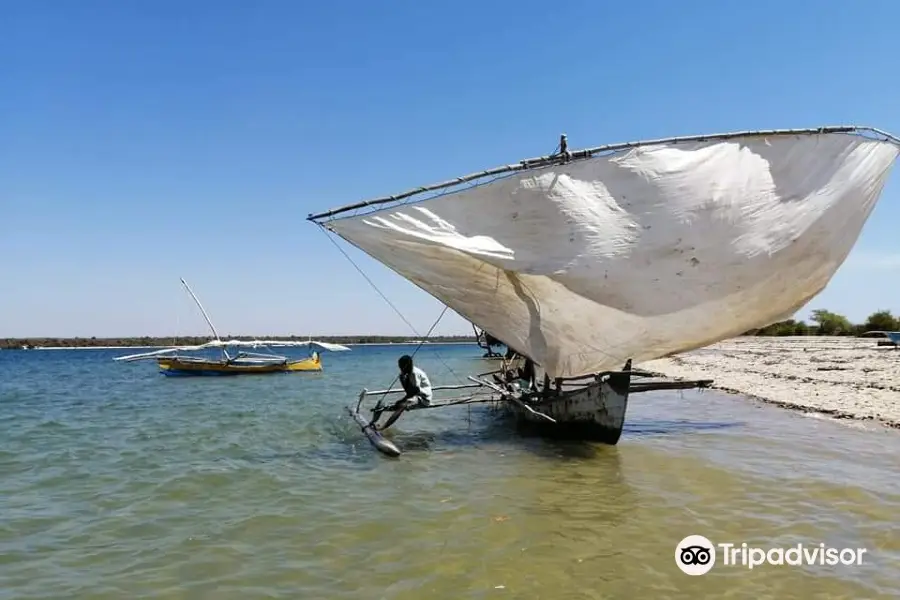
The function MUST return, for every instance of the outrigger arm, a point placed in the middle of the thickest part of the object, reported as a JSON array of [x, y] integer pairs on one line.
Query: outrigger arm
[[505, 395], [374, 436]]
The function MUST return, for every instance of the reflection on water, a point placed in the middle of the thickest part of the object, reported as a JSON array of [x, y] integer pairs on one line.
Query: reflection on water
[[117, 483]]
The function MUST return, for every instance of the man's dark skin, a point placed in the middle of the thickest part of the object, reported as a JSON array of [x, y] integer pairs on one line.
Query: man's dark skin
[[409, 386]]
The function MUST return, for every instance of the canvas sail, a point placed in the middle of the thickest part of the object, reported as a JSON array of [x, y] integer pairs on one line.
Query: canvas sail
[[657, 249]]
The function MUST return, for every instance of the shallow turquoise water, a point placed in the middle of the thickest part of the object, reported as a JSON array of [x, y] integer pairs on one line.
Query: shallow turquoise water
[[117, 482]]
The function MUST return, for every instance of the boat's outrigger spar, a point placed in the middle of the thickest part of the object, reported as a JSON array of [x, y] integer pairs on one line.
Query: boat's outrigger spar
[[586, 261]]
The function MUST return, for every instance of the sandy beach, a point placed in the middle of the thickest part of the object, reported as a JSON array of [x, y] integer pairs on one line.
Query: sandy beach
[[841, 377]]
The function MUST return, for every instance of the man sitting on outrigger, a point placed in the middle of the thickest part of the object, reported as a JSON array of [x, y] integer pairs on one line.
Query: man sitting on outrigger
[[416, 385]]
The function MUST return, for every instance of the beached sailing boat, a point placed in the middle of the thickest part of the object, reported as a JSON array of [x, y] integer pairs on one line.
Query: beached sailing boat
[[240, 363], [584, 261]]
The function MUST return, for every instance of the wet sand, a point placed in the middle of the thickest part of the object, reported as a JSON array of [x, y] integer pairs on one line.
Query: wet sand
[[842, 377]]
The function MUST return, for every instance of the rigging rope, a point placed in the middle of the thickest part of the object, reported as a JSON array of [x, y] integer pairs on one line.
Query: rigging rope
[[391, 304]]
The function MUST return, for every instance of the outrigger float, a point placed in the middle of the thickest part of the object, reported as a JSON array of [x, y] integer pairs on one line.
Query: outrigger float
[[584, 261], [241, 363]]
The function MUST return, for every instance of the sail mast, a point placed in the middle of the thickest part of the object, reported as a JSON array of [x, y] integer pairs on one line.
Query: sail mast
[[205, 316]]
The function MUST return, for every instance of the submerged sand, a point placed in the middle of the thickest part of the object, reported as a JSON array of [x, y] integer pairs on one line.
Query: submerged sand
[[842, 377]]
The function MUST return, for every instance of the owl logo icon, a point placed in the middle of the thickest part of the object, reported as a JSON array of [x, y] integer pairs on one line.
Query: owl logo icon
[[695, 555]]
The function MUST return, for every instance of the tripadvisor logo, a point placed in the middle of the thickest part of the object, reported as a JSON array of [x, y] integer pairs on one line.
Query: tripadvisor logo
[[696, 555]]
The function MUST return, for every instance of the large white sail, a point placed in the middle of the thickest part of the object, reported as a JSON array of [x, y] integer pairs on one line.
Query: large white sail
[[652, 250]]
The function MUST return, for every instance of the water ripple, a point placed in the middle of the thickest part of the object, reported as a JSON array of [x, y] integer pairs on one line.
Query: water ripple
[[119, 483]]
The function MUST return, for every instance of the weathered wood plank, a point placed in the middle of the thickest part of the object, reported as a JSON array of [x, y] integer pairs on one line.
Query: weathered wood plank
[[653, 386]]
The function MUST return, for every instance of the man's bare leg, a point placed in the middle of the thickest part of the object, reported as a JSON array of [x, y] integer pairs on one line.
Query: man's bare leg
[[396, 415]]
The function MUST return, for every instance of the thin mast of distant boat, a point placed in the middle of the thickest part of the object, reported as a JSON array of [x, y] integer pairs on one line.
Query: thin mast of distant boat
[[206, 316], [218, 343], [200, 306]]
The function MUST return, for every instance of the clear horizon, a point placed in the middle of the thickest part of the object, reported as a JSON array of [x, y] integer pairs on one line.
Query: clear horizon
[[147, 143]]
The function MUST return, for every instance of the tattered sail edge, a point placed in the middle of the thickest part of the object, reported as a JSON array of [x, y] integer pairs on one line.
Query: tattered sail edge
[[564, 155]]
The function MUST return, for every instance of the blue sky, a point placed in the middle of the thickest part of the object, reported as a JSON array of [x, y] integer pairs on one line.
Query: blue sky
[[141, 142]]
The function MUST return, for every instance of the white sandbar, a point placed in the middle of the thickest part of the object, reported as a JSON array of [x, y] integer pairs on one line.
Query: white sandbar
[[843, 377]]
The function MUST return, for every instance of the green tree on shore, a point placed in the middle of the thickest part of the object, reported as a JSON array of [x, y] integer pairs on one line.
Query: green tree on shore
[[783, 328], [882, 320], [830, 323], [825, 322]]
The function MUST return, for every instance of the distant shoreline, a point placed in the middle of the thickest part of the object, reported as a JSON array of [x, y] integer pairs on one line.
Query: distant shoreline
[[170, 341], [172, 345]]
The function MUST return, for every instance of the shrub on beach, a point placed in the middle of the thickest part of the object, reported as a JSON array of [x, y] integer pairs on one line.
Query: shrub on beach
[[825, 322]]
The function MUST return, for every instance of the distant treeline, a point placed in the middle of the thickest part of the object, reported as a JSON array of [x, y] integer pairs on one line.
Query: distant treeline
[[14, 343], [825, 322]]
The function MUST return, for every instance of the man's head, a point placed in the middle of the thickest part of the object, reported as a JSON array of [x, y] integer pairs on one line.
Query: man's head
[[405, 363]]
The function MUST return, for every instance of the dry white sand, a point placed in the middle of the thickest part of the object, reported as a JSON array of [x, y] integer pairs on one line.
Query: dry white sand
[[842, 377]]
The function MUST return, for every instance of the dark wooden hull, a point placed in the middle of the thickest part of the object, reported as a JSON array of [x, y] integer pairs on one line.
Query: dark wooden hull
[[591, 411]]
